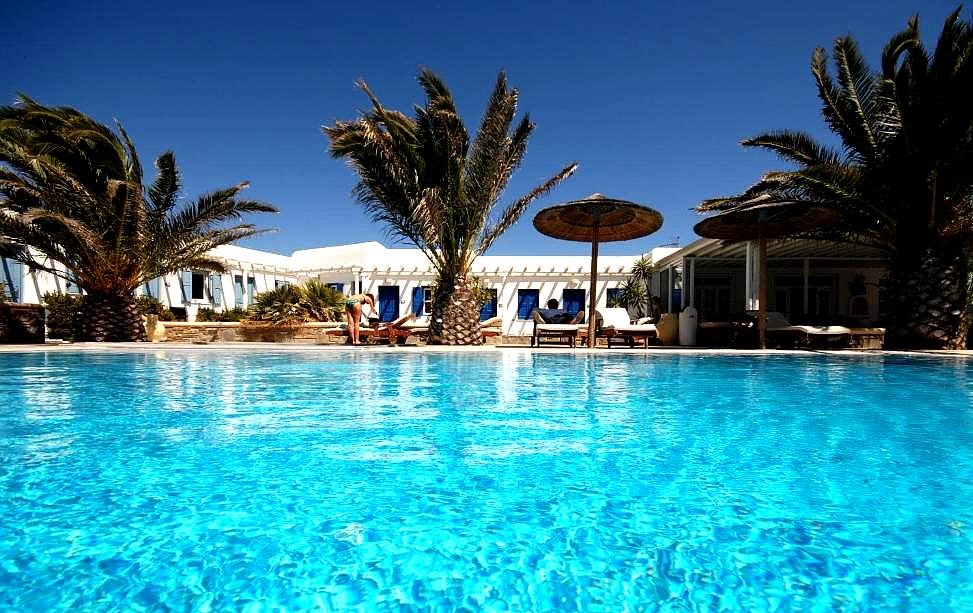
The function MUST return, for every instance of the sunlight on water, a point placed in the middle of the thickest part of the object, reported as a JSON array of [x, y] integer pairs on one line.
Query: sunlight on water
[[335, 481]]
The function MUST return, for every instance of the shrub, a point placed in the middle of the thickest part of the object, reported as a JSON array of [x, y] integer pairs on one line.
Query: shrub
[[207, 314], [296, 304], [321, 302], [63, 312], [280, 305], [234, 314], [147, 305]]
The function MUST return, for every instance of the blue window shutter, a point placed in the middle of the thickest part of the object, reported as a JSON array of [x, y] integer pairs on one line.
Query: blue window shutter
[[572, 300], [151, 287], [251, 288], [418, 299], [13, 279], [490, 308], [186, 278], [527, 300], [388, 302], [338, 287], [238, 291], [216, 289]]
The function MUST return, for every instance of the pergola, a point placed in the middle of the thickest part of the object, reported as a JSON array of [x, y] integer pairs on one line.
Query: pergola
[[713, 255]]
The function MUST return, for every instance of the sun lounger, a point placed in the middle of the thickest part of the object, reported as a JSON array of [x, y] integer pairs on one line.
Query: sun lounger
[[616, 323], [564, 332], [388, 331], [867, 338], [491, 327], [778, 325]]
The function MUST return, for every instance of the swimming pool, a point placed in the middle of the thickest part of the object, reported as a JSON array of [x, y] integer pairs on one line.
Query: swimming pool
[[333, 480]]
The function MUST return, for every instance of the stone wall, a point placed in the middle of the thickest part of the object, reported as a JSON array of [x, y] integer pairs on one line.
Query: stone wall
[[231, 332], [21, 323]]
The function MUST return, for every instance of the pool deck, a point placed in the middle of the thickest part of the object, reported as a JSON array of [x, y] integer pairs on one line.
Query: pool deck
[[305, 348]]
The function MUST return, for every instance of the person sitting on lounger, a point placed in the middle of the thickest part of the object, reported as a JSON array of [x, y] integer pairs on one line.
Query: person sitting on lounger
[[657, 309], [553, 314], [353, 308]]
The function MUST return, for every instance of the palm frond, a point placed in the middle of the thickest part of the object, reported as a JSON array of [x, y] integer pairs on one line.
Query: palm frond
[[513, 212], [795, 147]]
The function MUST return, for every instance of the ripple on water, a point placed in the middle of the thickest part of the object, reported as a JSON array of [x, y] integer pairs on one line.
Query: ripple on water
[[494, 482]]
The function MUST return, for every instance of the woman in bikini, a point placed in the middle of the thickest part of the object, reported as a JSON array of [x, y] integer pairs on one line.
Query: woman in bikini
[[353, 307]]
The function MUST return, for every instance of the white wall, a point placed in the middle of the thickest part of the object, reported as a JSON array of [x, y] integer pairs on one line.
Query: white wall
[[374, 265]]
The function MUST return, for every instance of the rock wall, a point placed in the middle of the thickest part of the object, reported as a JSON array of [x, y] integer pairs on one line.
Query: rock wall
[[21, 323]]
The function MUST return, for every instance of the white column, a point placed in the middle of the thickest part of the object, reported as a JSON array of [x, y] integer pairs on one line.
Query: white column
[[689, 285], [807, 282], [752, 276], [672, 287]]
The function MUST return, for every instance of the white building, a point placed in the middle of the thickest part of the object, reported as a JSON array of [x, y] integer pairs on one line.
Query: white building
[[399, 279], [808, 281]]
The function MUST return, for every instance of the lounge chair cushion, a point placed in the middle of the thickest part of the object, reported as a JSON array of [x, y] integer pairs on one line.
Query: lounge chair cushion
[[776, 322]]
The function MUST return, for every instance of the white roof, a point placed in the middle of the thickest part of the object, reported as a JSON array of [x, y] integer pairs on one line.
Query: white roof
[[373, 256]]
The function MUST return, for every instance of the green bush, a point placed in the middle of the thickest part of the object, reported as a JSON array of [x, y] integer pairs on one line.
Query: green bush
[[296, 304], [147, 305], [208, 314], [167, 315], [63, 311], [234, 314]]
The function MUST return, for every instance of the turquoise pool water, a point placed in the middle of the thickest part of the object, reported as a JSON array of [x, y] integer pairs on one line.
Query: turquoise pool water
[[368, 481]]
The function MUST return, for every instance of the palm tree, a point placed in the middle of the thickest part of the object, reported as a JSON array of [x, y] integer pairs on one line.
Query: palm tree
[[76, 208], [293, 305], [642, 271], [432, 187], [904, 179]]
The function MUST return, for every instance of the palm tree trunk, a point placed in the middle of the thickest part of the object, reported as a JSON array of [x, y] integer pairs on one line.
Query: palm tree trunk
[[930, 292], [111, 318], [455, 316]]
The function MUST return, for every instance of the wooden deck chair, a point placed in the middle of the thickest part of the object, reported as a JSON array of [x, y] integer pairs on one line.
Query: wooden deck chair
[[616, 324], [564, 332]]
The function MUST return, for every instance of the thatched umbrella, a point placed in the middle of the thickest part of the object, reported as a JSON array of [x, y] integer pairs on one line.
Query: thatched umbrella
[[596, 219], [760, 220]]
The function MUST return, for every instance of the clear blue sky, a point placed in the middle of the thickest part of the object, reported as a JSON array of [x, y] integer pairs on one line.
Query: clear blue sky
[[651, 98]]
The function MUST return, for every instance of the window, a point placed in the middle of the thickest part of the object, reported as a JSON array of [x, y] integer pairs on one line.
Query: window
[[338, 287], [572, 300], [490, 308], [527, 301], [427, 300], [280, 283], [789, 295], [12, 278], [713, 296], [422, 300], [199, 286], [72, 287], [613, 295]]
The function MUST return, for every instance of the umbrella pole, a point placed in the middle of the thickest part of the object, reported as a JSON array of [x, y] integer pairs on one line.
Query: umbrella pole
[[762, 307], [592, 294]]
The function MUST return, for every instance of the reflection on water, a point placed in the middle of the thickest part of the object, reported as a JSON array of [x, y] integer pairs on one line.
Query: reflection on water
[[497, 481]]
